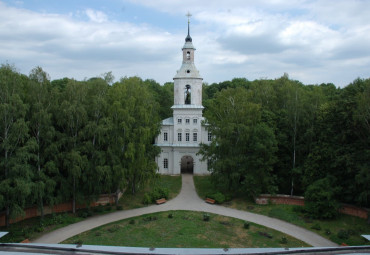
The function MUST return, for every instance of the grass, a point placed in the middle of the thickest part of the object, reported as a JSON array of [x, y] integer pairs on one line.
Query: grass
[[172, 183], [185, 229], [34, 227], [203, 185], [348, 227]]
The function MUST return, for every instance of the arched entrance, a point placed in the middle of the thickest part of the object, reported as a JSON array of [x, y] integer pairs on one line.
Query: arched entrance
[[187, 165]]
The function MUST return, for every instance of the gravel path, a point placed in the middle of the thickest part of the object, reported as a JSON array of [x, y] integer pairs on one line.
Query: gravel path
[[186, 200]]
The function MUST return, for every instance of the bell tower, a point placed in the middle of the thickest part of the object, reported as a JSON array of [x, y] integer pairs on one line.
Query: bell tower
[[187, 81], [182, 134]]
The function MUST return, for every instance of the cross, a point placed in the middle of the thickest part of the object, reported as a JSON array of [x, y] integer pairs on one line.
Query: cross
[[188, 15]]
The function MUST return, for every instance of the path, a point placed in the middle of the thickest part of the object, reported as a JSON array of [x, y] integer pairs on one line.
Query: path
[[186, 200]]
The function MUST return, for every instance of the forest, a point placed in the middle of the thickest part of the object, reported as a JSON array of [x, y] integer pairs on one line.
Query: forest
[[67, 140]]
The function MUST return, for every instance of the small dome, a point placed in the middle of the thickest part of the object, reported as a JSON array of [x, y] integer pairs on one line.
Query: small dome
[[188, 38]]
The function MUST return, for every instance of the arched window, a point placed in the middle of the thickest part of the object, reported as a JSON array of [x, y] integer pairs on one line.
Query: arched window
[[187, 95], [188, 55]]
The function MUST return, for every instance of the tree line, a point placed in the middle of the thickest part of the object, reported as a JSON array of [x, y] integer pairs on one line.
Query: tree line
[[280, 136], [68, 140]]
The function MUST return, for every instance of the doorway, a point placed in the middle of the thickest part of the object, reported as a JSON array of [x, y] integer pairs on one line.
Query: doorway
[[187, 165]]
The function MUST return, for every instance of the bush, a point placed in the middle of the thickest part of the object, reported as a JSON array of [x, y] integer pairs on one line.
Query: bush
[[170, 216], [246, 225], [132, 222], [156, 194], [284, 240], [342, 234], [159, 193], [219, 198], [119, 207], [319, 200], [206, 217]]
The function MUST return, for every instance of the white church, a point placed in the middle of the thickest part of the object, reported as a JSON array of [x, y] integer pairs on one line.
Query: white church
[[182, 134]]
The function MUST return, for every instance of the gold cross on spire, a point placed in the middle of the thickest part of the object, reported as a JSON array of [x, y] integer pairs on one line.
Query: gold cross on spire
[[188, 15]]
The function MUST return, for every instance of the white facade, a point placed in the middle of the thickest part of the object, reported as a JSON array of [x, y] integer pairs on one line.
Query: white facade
[[182, 134]]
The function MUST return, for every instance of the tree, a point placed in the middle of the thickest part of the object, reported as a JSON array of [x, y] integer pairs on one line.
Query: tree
[[242, 153], [38, 96], [320, 199], [15, 147], [134, 124], [71, 120], [96, 177]]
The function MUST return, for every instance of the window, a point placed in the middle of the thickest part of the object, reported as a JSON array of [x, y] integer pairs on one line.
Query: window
[[188, 55], [195, 121], [187, 71], [195, 137], [165, 136], [179, 137], [187, 121], [209, 136], [187, 94], [165, 163], [179, 121], [187, 137]]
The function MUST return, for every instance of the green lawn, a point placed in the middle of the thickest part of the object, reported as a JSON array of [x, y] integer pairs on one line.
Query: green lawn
[[186, 229], [344, 225]]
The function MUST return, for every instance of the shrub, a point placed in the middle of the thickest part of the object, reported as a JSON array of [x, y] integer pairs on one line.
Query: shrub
[[219, 198], [119, 207], [206, 217], [132, 222], [342, 234], [246, 225], [156, 194], [284, 240], [159, 193], [170, 215], [319, 199]]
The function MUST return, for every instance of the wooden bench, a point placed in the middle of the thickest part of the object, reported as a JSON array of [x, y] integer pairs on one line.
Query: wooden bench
[[160, 201], [210, 200]]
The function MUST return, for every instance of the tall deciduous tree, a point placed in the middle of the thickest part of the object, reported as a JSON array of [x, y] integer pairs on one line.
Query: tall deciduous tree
[[38, 96], [242, 153], [135, 124], [71, 119], [15, 174]]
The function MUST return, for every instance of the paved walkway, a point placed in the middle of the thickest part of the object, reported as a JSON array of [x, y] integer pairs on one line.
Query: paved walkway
[[186, 200]]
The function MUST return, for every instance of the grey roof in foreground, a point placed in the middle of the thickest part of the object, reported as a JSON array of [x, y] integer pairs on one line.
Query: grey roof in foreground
[[33, 248]]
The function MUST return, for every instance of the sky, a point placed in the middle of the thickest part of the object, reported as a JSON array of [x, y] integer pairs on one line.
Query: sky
[[315, 41]]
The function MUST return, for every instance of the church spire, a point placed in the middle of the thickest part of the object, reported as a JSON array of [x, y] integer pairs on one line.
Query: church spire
[[188, 37]]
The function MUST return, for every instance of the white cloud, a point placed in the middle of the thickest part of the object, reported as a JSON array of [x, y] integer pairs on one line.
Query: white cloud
[[96, 16], [313, 41]]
